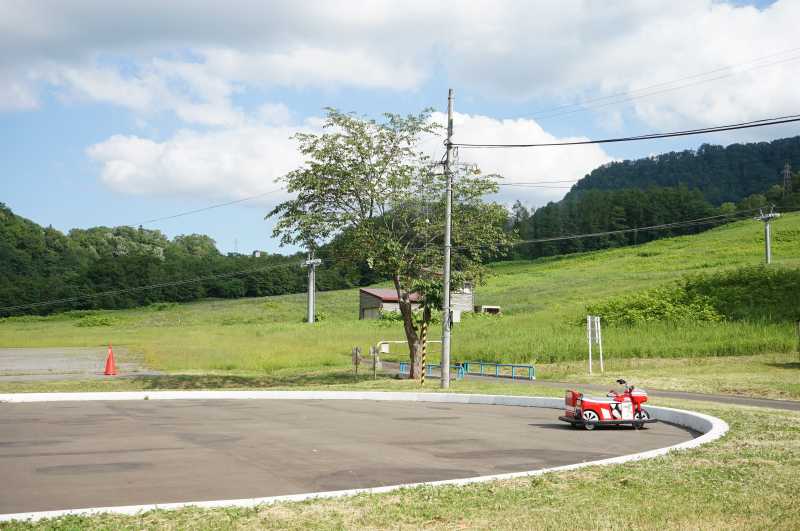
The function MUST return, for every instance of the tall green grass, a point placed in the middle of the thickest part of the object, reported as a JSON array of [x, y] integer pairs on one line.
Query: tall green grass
[[542, 301]]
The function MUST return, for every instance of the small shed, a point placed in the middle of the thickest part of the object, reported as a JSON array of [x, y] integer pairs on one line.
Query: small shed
[[372, 301]]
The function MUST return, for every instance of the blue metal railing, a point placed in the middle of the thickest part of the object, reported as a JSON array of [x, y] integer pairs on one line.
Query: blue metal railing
[[405, 368], [469, 367]]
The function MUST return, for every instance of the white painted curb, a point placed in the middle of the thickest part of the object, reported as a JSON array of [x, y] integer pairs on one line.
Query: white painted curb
[[710, 427]]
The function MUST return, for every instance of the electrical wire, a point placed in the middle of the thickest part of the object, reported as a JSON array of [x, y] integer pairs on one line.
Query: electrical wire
[[632, 95], [144, 288], [719, 218], [533, 185], [206, 208], [649, 136]]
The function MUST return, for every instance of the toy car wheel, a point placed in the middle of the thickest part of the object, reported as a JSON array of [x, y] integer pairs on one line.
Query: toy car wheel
[[590, 417], [639, 418]]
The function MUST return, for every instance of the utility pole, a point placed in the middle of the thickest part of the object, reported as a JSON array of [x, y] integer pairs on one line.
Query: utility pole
[[787, 179], [448, 214], [312, 264], [767, 218]]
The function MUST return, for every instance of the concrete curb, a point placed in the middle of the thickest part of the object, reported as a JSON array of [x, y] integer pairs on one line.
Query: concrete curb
[[710, 427]]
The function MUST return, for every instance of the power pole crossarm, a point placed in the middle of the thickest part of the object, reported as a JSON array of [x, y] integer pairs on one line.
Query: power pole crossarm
[[767, 218], [448, 213]]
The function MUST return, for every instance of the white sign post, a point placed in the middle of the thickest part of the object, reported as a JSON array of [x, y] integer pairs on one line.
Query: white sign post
[[595, 336]]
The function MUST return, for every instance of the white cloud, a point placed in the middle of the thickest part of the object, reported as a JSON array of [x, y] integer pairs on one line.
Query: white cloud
[[243, 161], [154, 57], [221, 164], [274, 113], [16, 93], [504, 49]]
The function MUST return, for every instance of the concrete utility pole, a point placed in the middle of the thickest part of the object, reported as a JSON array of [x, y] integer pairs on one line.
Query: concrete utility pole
[[312, 264], [767, 218], [787, 178], [448, 214]]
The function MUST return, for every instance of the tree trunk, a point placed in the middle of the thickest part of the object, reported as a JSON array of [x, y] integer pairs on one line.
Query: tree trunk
[[414, 345]]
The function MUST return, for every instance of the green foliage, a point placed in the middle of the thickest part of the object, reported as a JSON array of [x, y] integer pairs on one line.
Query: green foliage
[[722, 174], [40, 264], [659, 304], [758, 293], [390, 318], [318, 316], [369, 185], [751, 293], [95, 320], [541, 300]]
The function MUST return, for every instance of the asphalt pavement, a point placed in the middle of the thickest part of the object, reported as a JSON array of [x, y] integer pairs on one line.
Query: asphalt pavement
[[67, 455], [64, 363]]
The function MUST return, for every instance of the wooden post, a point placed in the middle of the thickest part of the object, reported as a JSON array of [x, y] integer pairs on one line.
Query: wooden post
[[798, 337], [356, 356]]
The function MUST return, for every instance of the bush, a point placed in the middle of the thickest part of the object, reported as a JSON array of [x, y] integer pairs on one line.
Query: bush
[[660, 304], [162, 306], [318, 316], [95, 320], [389, 318], [757, 293], [760, 294]]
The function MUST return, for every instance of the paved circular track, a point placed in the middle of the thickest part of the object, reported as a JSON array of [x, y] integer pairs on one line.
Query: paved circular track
[[68, 455]]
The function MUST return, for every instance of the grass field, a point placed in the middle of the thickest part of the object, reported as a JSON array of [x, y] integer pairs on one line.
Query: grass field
[[542, 302], [747, 480]]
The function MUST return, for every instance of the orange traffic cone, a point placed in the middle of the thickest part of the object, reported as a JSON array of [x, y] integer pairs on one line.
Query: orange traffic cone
[[111, 367]]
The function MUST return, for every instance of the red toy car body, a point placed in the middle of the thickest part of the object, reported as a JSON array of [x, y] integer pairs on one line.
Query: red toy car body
[[616, 409]]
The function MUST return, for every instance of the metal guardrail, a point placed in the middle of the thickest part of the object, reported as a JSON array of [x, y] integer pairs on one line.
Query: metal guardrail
[[405, 368], [498, 369]]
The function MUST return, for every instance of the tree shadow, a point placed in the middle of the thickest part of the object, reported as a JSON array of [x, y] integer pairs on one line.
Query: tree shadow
[[787, 365], [224, 381]]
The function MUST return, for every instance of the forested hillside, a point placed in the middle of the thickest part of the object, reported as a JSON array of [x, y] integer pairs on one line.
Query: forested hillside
[[721, 173], [43, 264], [721, 182], [726, 183]]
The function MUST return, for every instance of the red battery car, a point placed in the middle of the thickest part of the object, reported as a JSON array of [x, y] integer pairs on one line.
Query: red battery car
[[616, 409]]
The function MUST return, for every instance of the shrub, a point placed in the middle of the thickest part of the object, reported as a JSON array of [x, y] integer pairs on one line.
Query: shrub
[[95, 320], [660, 304], [763, 294], [318, 316], [757, 293]]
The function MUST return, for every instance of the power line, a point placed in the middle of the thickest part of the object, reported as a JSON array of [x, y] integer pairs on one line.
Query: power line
[[627, 96], [533, 185], [720, 218], [144, 288], [206, 208], [649, 136]]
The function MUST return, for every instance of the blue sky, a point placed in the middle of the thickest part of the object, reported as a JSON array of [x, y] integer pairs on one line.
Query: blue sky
[[116, 114]]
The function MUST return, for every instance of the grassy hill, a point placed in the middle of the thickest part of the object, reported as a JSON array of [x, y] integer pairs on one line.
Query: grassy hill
[[543, 302]]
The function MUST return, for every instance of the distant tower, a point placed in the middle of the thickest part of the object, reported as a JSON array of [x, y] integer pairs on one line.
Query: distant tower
[[787, 178]]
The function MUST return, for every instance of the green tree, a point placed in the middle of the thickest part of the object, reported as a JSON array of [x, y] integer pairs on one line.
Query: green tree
[[369, 184]]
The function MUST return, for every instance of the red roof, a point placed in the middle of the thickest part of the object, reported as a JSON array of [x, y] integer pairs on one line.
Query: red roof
[[389, 295]]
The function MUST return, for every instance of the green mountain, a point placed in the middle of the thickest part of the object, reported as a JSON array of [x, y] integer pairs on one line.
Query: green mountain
[[721, 174]]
